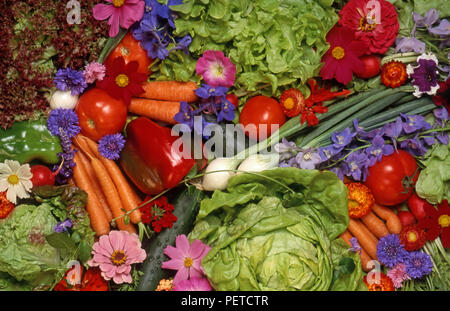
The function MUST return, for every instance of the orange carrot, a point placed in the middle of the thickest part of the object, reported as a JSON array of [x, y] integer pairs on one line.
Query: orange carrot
[[170, 91], [365, 258], [375, 225], [84, 161], [112, 195], [392, 221], [128, 196], [365, 238], [99, 221], [155, 109]]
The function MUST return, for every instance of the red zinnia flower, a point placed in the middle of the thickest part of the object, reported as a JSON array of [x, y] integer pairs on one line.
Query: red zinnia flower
[[122, 80], [158, 214], [412, 237], [342, 58], [373, 21], [437, 222]]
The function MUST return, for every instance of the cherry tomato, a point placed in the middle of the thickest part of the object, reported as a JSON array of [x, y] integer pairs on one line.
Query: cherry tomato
[[131, 50], [42, 175], [372, 66], [258, 116], [100, 114], [232, 98], [392, 179], [406, 218], [417, 206]]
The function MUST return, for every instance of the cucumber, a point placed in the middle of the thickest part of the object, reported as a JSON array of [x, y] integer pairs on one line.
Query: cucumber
[[186, 205]]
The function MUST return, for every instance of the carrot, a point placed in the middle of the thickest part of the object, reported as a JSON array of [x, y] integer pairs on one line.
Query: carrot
[[375, 225], [111, 195], [170, 91], [365, 258], [128, 196], [392, 221], [365, 238], [155, 109], [99, 222], [84, 161]]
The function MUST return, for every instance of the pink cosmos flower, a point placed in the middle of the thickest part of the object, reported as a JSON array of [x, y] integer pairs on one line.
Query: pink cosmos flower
[[94, 71], [185, 258], [123, 12], [216, 69], [115, 253], [193, 284], [398, 275]]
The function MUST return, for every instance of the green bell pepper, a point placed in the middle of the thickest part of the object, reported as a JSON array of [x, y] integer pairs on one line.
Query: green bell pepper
[[29, 140]]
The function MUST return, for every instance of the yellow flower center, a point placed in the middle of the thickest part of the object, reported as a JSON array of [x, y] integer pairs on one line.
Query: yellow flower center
[[122, 80], [338, 52], [118, 258], [124, 51], [188, 262], [13, 179], [118, 3], [289, 103], [217, 70], [444, 221], [412, 236]]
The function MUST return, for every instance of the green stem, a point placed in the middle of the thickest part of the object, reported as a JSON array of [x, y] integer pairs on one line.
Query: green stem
[[344, 157], [442, 129], [403, 57]]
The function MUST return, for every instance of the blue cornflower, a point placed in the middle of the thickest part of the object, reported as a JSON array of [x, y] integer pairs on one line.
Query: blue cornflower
[[62, 226], [379, 148], [413, 146], [65, 120], [414, 123], [68, 79], [111, 145], [342, 139], [390, 251], [356, 165], [418, 264]]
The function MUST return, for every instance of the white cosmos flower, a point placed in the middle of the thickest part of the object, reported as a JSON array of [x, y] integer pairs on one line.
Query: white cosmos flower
[[15, 179]]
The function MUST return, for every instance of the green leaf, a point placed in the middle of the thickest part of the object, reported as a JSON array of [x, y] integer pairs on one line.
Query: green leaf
[[84, 251], [61, 241], [111, 45], [346, 265]]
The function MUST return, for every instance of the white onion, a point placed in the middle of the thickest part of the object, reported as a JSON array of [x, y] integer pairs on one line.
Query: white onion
[[219, 180], [63, 99], [259, 162]]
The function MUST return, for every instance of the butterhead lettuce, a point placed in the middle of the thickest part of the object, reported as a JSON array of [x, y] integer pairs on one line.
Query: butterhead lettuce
[[278, 230]]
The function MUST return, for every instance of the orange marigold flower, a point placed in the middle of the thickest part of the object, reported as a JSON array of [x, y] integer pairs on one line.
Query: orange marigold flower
[[412, 237], [360, 200], [393, 74], [292, 102], [383, 284], [165, 285], [6, 206]]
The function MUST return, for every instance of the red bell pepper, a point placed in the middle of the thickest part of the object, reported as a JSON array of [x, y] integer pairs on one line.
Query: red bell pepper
[[149, 159]]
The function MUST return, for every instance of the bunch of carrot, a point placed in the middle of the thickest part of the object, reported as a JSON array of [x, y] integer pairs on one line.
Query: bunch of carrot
[[161, 99], [110, 195], [380, 221]]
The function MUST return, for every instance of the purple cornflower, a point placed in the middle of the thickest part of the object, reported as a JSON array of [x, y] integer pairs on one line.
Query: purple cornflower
[[413, 123], [411, 44], [65, 120], [62, 226], [356, 248], [342, 139], [443, 29], [425, 75], [357, 165], [418, 264], [379, 148], [430, 17], [68, 79], [307, 159], [414, 146], [390, 251], [111, 145], [185, 115]]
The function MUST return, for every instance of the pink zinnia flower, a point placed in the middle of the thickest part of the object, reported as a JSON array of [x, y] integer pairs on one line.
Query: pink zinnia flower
[[123, 12], [94, 71], [216, 69], [115, 253], [185, 258], [398, 275], [193, 284]]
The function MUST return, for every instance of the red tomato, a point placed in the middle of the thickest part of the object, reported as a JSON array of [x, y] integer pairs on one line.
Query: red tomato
[[232, 98], [131, 50], [417, 206], [392, 179], [372, 66], [259, 114], [100, 114]]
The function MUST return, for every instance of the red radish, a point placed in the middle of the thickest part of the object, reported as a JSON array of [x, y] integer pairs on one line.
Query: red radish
[[417, 206], [232, 98], [372, 66], [406, 218], [42, 175]]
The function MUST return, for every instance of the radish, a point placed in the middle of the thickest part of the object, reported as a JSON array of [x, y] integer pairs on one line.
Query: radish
[[42, 175], [406, 218], [417, 206]]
